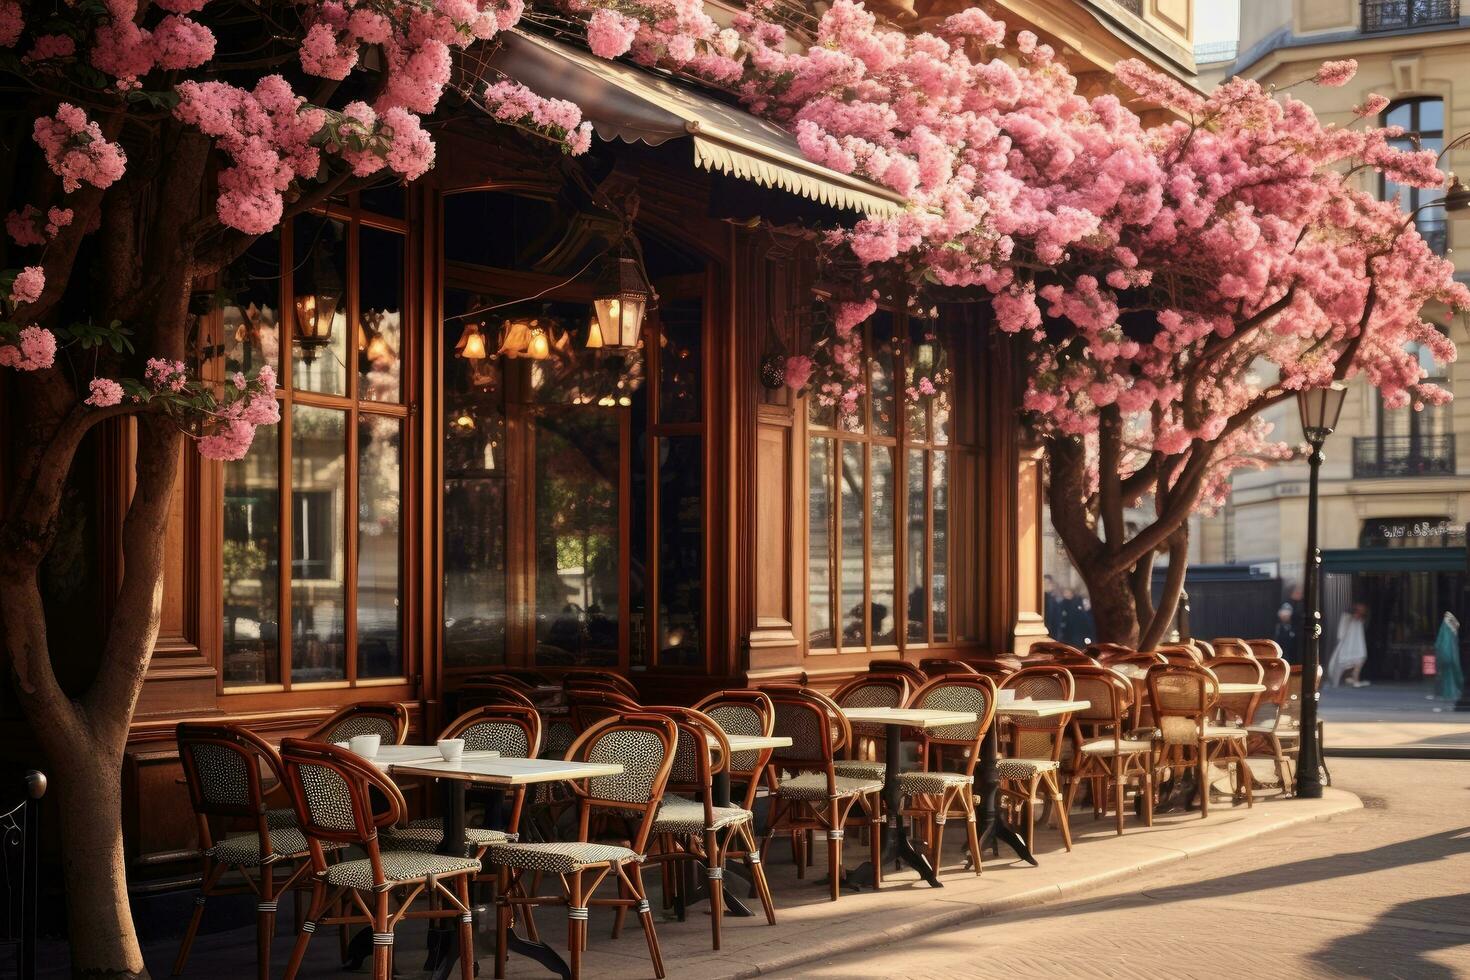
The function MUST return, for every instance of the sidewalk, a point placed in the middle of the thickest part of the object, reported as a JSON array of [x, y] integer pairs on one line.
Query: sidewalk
[[810, 928], [1393, 720]]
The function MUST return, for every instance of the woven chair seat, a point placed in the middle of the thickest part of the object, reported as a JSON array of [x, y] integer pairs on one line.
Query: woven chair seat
[[813, 786], [558, 858], [860, 768], [1224, 731], [1025, 768], [427, 838], [677, 815], [279, 817], [1126, 746], [244, 850], [916, 782], [399, 867]]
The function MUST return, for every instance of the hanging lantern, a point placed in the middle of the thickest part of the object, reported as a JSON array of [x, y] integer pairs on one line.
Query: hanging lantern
[[316, 310], [471, 344], [623, 295], [773, 371], [537, 348]]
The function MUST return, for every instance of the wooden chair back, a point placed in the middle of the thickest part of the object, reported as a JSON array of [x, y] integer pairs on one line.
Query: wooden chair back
[[586, 708], [1039, 738], [1265, 649], [1232, 646], [617, 682], [910, 671], [1181, 696], [817, 729], [222, 769], [957, 692], [493, 692], [387, 719], [743, 712], [642, 742], [1107, 651], [1236, 708], [1111, 695], [525, 676], [1179, 653], [333, 791], [701, 750], [513, 730], [940, 666], [996, 670]]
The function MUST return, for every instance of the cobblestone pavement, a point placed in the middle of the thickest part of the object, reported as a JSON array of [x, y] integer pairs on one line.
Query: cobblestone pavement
[[1380, 892]]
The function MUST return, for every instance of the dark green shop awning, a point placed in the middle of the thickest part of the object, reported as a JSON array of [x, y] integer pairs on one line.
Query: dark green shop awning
[[1347, 560]]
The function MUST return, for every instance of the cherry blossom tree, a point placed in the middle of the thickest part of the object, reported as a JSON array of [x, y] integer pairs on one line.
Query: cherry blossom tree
[[147, 144]]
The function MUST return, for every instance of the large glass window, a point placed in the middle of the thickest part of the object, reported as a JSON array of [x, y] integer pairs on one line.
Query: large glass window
[[312, 515], [1422, 121], [574, 483], [879, 524]]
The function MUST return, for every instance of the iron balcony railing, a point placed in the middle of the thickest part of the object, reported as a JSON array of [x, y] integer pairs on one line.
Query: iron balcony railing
[[1404, 456], [1435, 233], [1398, 15]]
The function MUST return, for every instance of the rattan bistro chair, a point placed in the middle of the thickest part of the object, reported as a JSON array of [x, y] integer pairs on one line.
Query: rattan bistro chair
[[938, 666], [222, 769], [1108, 756], [332, 790], [1035, 754], [1182, 697], [512, 730], [944, 785], [875, 690], [809, 793], [911, 672], [387, 719], [1236, 710], [741, 712], [690, 827], [643, 744]]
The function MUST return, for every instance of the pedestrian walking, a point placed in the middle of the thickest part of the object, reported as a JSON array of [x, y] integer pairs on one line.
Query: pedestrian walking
[[1285, 635], [1351, 651], [1447, 660]]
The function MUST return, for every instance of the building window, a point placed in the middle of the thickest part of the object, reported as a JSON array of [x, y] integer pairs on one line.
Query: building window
[[882, 534], [1423, 123], [1397, 15], [312, 515], [1409, 442]]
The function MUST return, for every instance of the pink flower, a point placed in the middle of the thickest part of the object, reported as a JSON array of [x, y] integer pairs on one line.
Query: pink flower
[[34, 350], [105, 392], [1371, 106], [610, 34], [229, 441], [1334, 74], [162, 374], [12, 23], [798, 371], [28, 285], [76, 151]]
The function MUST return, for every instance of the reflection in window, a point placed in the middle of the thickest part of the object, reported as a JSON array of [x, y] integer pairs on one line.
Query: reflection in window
[[681, 321], [820, 550], [916, 559], [850, 508], [680, 551], [250, 315], [252, 568], [319, 283], [379, 545], [883, 570], [380, 314], [881, 365], [318, 584], [474, 499], [940, 536], [577, 588]]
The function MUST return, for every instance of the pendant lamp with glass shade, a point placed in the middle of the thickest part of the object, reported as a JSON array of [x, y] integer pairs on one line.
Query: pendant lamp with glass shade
[[317, 308], [621, 301]]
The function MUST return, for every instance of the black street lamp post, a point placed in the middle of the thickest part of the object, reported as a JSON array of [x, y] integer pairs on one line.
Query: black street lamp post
[[1319, 410]]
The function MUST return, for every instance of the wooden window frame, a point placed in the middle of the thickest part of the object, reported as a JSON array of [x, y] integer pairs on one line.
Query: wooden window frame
[[353, 408]]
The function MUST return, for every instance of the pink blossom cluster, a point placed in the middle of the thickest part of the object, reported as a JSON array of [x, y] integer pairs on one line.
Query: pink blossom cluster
[[27, 285], [104, 392], [29, 226], [230, 431], [165, 375], [677, 34], [34, 349], [76, 150], [556, 119], [127, 52]]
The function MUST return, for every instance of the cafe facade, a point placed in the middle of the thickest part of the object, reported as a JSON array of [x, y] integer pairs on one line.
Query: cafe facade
[[482, 460]]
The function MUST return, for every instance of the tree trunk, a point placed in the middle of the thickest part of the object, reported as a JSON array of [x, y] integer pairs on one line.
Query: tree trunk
[[1113, 610], [104, 944]]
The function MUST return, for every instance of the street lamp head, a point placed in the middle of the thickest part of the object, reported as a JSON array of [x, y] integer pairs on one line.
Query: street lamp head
[[1456, 200], [1319, 409]]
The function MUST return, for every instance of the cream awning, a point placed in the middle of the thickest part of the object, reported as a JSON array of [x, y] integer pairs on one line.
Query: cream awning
[[624, 102]]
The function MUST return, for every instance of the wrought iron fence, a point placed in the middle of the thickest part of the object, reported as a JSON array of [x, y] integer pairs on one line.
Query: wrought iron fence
[[20, 870], [1397, 15], [1404, 456]]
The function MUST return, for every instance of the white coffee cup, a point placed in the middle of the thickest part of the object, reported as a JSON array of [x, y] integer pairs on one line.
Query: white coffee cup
[[1005, 696], [451, 749], [343, 745], [366, 745]]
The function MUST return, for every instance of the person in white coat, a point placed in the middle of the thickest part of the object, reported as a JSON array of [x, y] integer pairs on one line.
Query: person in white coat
[[1351, 651]]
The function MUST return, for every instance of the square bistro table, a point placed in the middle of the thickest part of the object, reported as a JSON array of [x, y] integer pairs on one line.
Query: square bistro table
[[489, 770], [896, 843], [995, 826]]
